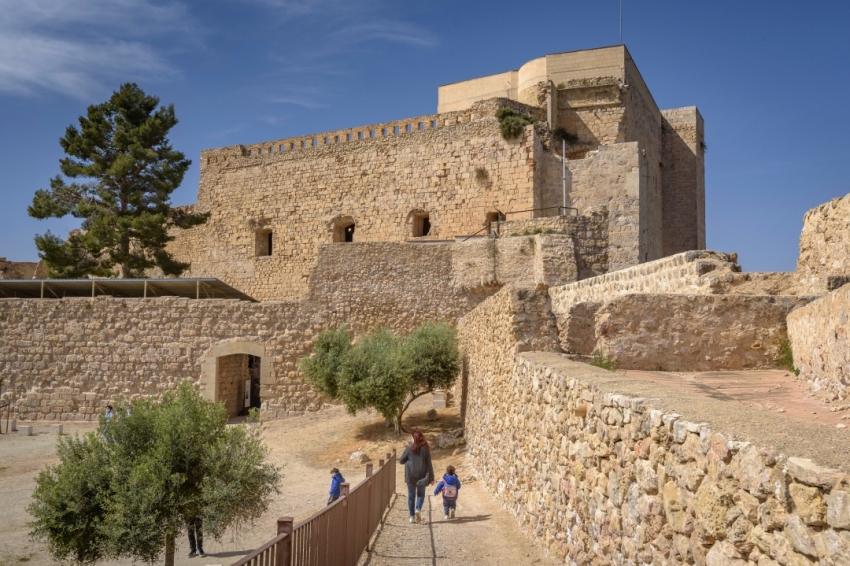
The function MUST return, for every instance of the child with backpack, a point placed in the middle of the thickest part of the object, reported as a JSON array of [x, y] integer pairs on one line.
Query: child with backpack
[[449, 486]]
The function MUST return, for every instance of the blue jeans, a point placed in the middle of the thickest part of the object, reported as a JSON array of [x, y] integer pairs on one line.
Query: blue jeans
[[449, 504], [417, 491]]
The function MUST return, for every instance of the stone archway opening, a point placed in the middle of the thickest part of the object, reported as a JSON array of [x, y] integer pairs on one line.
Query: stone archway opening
[[237, 374]]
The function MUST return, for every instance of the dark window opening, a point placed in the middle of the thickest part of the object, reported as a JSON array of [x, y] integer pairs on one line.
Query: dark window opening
[[263, 242], [421, 225], [343, 230]]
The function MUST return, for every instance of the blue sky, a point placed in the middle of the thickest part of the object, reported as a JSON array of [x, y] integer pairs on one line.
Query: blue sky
[[770, 77]]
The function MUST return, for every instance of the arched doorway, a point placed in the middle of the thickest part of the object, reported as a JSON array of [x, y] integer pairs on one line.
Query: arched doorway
[[235, 373]]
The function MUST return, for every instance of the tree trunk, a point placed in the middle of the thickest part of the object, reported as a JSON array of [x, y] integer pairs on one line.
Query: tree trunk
[[169, 549], [398, 428]]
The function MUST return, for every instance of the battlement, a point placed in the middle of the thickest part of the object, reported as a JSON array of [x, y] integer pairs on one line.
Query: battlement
[[372, 132]]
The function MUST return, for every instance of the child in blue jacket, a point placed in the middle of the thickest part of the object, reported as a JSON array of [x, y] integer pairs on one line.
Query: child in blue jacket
[[336, 481], [449, 487]]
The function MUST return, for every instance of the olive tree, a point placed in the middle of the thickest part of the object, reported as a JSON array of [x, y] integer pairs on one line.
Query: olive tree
[[128, 491], [383, 371]]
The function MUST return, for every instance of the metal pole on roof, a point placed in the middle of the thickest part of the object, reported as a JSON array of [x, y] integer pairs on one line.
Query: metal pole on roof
[[621, 22], [198, 289]]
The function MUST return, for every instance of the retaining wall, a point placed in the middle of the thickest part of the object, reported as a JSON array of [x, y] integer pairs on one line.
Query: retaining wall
[[606, 470], [820, 343]]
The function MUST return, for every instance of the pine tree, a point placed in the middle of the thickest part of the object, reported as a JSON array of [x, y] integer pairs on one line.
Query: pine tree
[[127, 171]]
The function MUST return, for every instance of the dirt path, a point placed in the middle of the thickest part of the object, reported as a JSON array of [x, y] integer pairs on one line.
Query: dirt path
[[306, 448], [481, 533]]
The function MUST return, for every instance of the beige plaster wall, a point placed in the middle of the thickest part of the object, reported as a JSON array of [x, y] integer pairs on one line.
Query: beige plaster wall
[[819, 340], [462, 95]]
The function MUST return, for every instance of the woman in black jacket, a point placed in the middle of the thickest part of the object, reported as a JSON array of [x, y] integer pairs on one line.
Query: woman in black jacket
[[418, 473]]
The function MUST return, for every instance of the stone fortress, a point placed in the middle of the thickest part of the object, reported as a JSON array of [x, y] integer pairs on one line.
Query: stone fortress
[[541, 255]]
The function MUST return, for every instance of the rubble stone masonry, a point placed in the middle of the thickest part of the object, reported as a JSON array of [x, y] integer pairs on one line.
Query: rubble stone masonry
[[607, 470], [819, 340], [825, 244]]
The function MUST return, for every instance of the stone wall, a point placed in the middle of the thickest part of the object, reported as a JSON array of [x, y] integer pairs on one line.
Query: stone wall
[[697, 272], [378, 183], [69, 358], [607, 470], [691, 332], [819, 340], [513, 320], [825, 243], [21, 269], [608, 181], [683, 180]]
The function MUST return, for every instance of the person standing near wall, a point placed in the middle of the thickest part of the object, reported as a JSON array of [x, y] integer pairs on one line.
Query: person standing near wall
[[336, 482], [418, 473]]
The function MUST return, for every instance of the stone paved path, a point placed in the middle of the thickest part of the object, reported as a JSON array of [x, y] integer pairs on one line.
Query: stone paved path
[[482, 533]]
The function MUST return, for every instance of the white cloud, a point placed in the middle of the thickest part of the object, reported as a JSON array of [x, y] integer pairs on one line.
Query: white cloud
[[78, 47]]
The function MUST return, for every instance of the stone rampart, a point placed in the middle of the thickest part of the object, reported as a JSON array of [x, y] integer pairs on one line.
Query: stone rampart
[[21, 269], [691, 332], [608, 470], [819, 340], [68, 358], [299, 199], [691, 273]]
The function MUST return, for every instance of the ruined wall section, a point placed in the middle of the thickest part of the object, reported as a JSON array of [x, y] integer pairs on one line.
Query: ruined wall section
[[683, 160], [611, 471], [663, 332], [820, 341], [691, 273], [377, 183], [21, 269], [825, 245], [589, 234]]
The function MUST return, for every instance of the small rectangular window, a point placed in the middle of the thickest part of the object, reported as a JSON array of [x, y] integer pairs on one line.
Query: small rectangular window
[[421, 125], [408, 128], [263, 242], [433, 123], [395, 130]]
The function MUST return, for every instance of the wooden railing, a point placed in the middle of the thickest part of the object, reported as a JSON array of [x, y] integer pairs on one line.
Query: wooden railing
[[338, 534]]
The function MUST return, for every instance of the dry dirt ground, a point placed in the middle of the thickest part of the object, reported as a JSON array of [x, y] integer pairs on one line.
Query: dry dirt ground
[[306, 448]]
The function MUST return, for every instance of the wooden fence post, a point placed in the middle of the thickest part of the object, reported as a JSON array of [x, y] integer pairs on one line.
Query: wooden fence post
[[344, 490], [284, 548], [369, 492]]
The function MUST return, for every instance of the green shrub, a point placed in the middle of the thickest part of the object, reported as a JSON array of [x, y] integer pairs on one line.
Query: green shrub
[[561, 134], [786, 357], [600, 360], [512, 123]]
